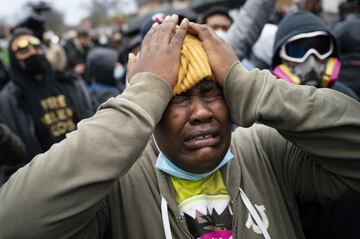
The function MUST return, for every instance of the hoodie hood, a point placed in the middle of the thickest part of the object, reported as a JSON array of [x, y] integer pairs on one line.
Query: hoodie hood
[[101, 63], [294, 24]]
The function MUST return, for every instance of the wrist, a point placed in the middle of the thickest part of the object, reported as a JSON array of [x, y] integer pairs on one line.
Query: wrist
[[228, 72]]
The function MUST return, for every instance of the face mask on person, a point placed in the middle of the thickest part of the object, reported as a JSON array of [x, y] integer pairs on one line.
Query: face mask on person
[[165, 165], [35, 64], [103, 40], [119, 72], [310, 72], [221, 33]]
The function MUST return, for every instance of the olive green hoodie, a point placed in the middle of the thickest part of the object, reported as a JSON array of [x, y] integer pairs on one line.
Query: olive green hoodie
[[100, 182]]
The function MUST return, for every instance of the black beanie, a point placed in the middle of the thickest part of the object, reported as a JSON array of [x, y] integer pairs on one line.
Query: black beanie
[[101, 63], [294, 24]]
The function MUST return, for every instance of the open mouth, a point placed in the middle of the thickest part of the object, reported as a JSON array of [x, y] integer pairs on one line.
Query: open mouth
[[200, 141], [201, 137]]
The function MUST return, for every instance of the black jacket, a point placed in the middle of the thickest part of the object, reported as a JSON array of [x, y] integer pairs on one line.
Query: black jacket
[[100, 68], [12, 152], [14, 114], [347, 34]]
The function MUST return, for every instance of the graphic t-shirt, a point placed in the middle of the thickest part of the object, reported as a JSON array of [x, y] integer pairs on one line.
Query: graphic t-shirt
[[205, 205], [53, 117]]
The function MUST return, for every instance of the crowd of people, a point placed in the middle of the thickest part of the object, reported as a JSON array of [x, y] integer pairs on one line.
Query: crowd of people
[[236, 124]]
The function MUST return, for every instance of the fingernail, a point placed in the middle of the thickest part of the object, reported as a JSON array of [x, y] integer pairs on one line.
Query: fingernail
[[184, 21]]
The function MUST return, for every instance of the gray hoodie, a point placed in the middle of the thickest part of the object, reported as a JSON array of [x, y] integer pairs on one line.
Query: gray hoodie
[[100, 182]]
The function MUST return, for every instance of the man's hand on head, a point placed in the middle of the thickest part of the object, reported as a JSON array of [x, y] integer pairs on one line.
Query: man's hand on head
[[221, 56], [160, 50]]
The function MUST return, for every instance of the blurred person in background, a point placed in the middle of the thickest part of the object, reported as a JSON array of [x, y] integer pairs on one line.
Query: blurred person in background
[[105, 73], [4, 56], [261, 53], [4, 75], [313, 6], [104, 37], [116, 39], [76, 52], [282, 8], [347, 33], [36, 20], [244, 29], [12, 152], [349, 9], [132, 46], [218, 18], [37, 104], [247, 25], [55, 53], [306, 53]]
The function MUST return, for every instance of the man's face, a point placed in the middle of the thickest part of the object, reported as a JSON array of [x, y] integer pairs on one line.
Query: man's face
[[26, 47], [218, 22], [85, 41], [309, 72], [306, 55], [313, 6], [195, 130]]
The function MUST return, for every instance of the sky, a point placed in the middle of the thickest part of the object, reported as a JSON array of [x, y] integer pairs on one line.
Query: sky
[[13, 11]]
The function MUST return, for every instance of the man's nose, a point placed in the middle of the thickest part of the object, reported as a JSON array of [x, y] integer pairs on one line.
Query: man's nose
[[34, 50], [30, 51], [199, 110]]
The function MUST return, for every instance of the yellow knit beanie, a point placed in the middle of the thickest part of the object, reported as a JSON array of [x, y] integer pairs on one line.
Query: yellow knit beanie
[[194, 65]]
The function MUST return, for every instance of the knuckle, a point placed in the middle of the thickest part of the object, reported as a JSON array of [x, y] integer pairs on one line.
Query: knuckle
[[204, 28], [167, 28]]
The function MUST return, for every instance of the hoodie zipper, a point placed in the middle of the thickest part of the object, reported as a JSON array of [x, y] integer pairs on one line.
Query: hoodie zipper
[[233, 207], [182, 223]]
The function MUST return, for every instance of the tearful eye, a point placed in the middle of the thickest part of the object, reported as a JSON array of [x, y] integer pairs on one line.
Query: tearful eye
[[212, 94], [210, 89], [178, 100]]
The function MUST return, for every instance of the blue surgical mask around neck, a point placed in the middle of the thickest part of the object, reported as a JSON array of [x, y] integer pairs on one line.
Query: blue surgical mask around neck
[[166, 166]]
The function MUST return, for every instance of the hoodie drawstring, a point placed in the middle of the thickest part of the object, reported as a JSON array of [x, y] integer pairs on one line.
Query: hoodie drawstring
[[254, 214], [165, 218]]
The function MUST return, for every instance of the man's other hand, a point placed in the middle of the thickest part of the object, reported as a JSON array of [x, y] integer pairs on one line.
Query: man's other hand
[[221, 56]]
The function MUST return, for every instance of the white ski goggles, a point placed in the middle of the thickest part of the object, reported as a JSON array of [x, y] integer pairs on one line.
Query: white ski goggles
[[298, 48]]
